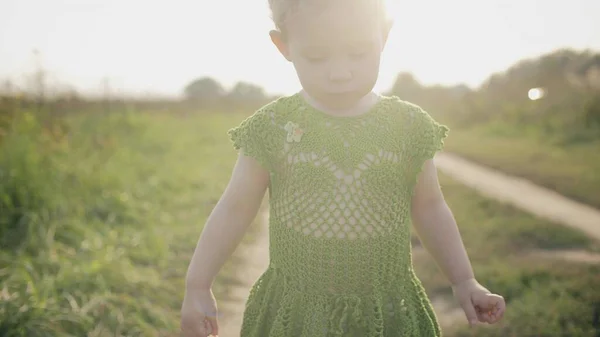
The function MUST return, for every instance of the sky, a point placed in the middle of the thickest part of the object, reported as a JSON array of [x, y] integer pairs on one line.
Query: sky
[[158, 46]]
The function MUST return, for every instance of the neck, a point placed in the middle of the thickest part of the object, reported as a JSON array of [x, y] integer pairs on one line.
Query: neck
[[358, 107]]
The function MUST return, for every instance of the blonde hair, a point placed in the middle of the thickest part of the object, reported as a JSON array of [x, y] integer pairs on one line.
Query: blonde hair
[[282, 9]]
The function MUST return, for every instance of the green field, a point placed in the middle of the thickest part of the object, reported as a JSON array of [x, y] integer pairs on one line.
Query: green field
[[97, 225], [97, 230]]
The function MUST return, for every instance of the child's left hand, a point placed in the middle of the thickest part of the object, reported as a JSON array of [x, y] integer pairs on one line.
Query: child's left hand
[[479, 304]]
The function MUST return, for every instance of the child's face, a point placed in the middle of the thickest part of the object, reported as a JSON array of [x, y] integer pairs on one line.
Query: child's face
[[335, 50]]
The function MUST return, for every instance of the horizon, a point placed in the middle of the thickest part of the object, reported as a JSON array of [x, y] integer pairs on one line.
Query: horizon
[[160, 47]]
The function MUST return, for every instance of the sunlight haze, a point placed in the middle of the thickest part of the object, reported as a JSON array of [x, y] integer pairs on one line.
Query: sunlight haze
[[160, 46]]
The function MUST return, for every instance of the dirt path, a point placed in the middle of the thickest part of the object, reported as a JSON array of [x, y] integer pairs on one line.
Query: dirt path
[[522, 194], [257, 260], [576, 256], [494, 184]]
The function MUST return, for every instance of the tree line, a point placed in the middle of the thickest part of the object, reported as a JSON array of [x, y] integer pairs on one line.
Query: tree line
[[557, 91]]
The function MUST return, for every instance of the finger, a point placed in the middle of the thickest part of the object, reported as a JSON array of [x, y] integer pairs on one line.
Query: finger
[[486, 315], [198, 331], [193, 328], [213, 324], [207, 330], [470, 312], [481, 308], [500, 308], [482, 315], [497, 316], [490, 305]]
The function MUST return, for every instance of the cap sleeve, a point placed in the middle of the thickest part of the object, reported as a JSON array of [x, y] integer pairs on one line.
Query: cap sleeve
[[429, 135], [251, 136]]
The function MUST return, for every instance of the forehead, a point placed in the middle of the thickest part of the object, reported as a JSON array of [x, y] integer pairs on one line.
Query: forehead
[[327, 22]]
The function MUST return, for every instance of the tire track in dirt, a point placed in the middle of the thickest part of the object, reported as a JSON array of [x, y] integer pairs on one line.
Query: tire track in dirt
[[521, 193]]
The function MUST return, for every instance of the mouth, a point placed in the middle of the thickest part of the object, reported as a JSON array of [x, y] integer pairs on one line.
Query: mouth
[[341, 92]]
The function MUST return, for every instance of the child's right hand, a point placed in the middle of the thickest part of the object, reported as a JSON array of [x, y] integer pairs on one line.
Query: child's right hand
[[199, 314]]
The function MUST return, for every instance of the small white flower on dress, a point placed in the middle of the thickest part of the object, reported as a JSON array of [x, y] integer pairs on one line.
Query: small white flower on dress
[[402, 306], [294, 132]]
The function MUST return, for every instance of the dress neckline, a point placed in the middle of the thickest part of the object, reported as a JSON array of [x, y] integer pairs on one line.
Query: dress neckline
[[309, 108]]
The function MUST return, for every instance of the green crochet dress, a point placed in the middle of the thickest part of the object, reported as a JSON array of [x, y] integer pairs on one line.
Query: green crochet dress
[[340, 199]]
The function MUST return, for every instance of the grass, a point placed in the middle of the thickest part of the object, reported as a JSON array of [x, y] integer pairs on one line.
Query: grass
[[569, 165], [97, 228], [545, 297]]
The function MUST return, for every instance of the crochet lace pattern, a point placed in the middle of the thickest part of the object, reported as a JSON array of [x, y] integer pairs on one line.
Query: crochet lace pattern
[[339, 225]]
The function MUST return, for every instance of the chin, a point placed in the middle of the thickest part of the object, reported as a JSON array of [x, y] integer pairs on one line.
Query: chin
[[340, 102], [346, 97]]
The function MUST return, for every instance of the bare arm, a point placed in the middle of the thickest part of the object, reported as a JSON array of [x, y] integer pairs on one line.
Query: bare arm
[[437, 229], [228, 222]]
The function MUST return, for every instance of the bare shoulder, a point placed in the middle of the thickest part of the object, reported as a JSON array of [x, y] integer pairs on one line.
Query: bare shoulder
[[427, 189], [249, 178]]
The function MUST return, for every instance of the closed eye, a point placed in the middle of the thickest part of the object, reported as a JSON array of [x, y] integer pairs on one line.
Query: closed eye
[[360, 50], [315, 59], [315, 54]]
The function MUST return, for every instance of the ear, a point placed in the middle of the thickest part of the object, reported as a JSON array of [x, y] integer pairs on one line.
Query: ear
[[279, 42]]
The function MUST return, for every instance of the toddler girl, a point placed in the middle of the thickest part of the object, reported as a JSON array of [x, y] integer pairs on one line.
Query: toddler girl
[[348, 172]]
